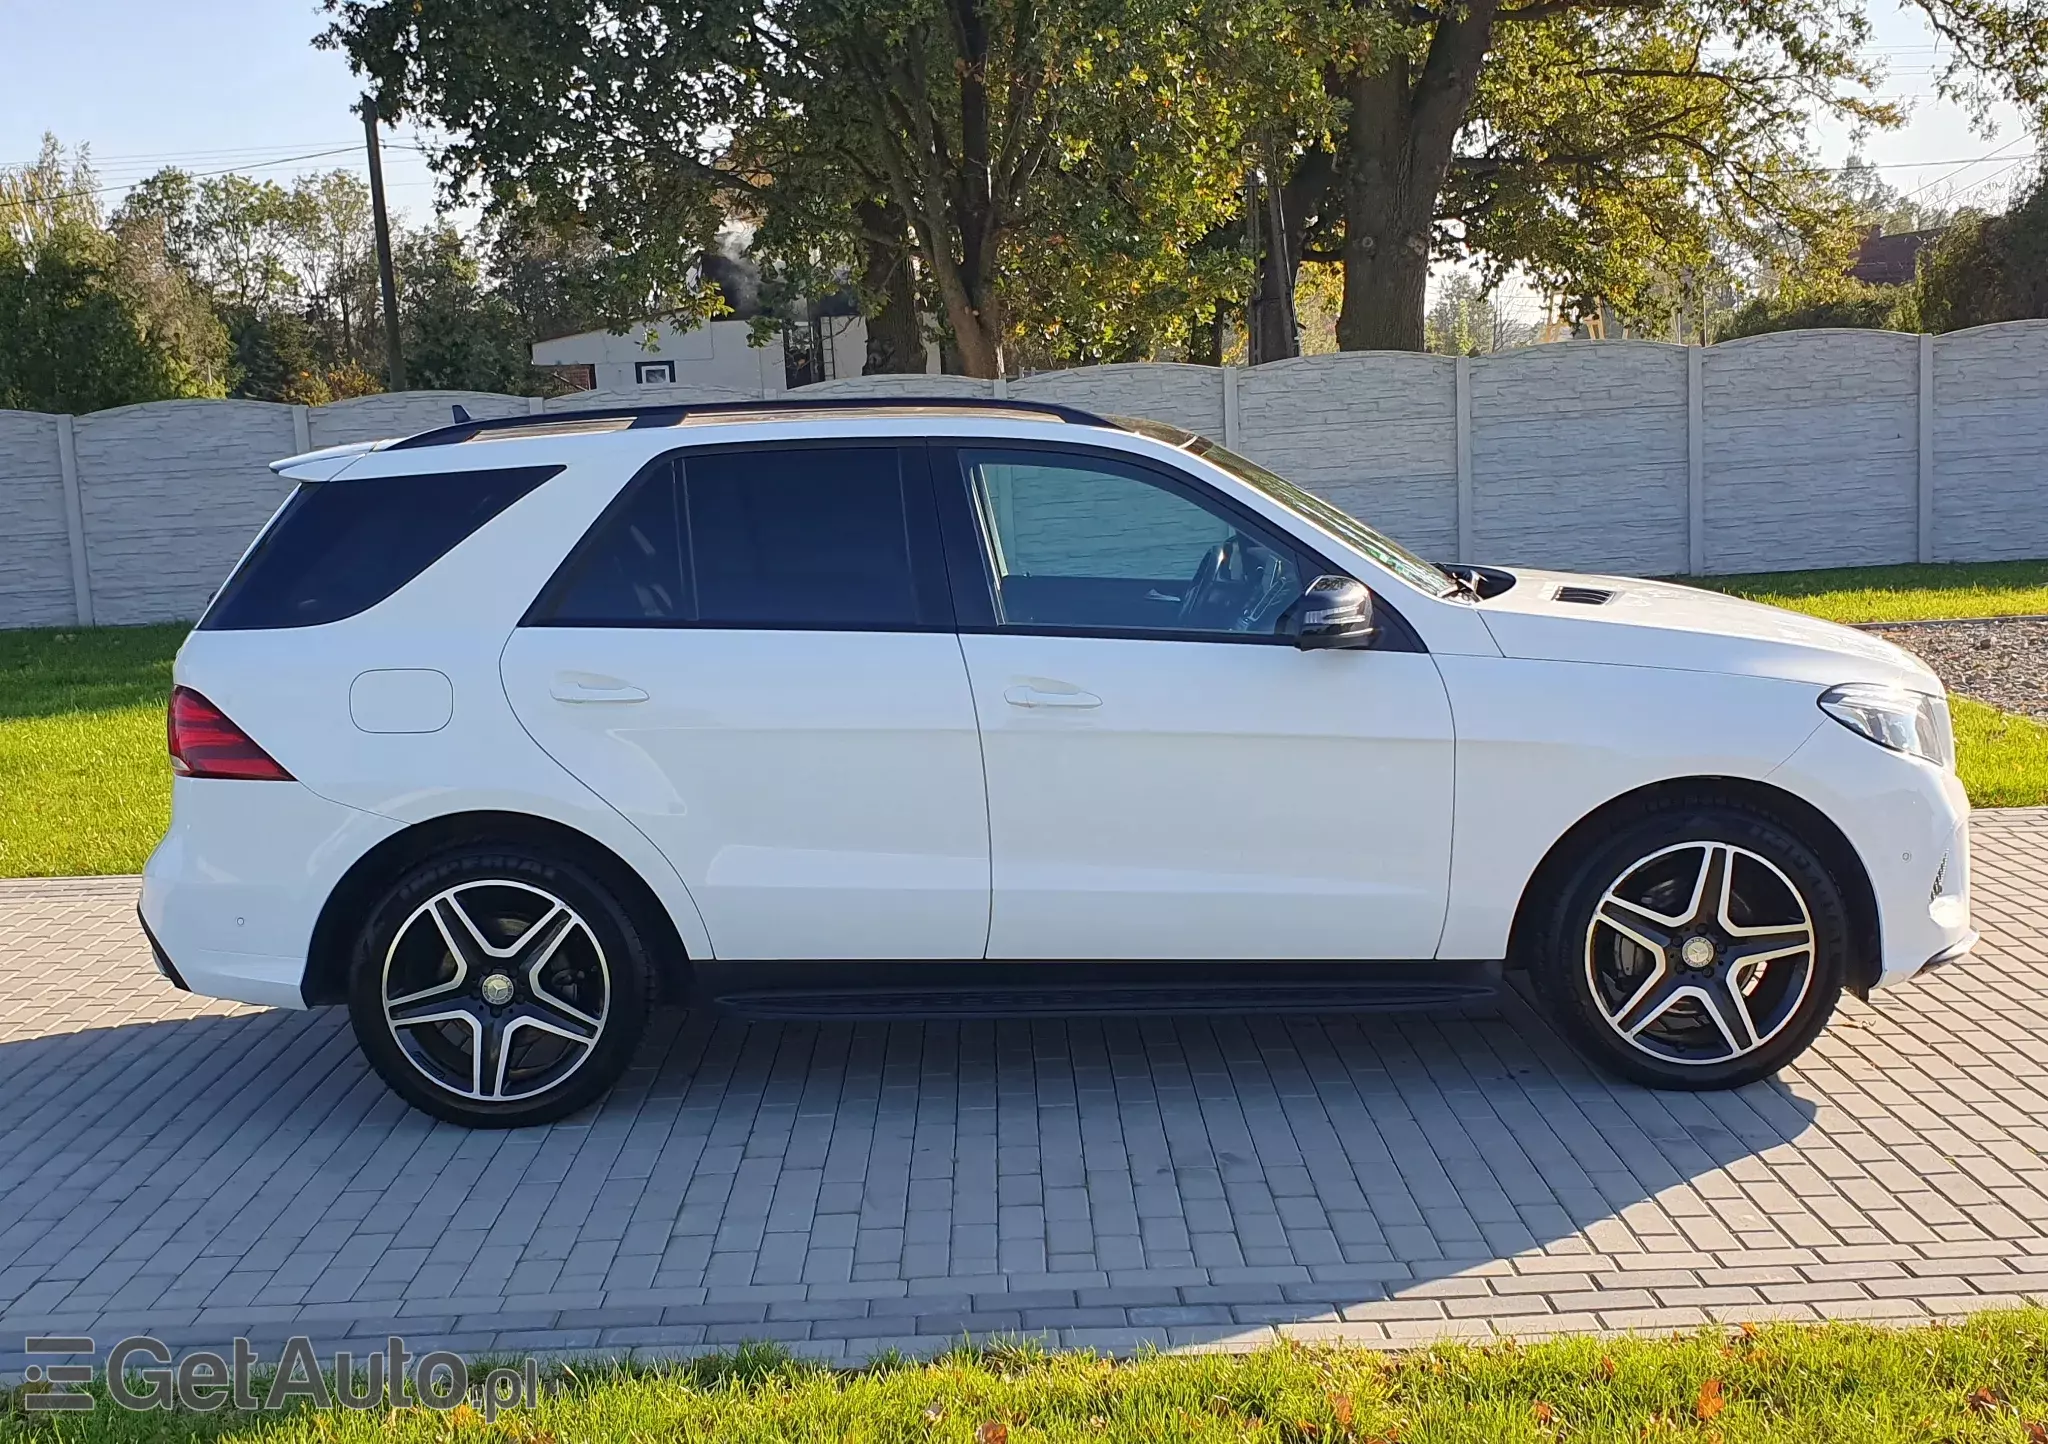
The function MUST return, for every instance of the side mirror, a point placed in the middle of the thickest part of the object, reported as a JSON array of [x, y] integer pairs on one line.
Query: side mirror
[[1334, 612]]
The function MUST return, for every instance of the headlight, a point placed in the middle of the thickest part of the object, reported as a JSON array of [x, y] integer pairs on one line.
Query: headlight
[[1910, 722]]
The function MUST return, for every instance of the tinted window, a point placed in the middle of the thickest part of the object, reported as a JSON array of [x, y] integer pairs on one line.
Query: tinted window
[[340, 547], [1077, 543], [632, 570], [790, 537]]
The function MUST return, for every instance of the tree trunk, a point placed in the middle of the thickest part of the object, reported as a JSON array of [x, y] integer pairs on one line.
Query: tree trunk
[[1397, 149], [1386, 243], [1274, 334], [895, 335]]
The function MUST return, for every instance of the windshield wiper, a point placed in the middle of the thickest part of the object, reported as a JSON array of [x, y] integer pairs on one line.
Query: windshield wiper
[[1463, 583]]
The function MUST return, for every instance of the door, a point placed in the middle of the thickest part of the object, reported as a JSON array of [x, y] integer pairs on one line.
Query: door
[[1167, 777], [752, 657]]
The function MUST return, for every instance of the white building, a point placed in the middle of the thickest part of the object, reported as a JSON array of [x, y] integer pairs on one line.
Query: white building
[[716, 354]]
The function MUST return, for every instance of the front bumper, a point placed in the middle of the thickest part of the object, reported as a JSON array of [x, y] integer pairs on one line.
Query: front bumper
[[230, 896], [1909, 822]]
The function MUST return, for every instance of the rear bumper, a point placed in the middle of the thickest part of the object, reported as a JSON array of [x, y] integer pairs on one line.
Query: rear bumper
[[230, 896]]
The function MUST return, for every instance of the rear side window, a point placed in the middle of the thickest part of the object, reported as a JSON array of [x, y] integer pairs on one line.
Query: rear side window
[[340, 547], [798, 537]]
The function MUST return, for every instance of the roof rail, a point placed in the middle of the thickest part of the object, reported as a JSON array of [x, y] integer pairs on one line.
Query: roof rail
[[639, 417]]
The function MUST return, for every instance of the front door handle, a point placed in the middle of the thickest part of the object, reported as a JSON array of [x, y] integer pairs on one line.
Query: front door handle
[[1033, 697], [565, 690]]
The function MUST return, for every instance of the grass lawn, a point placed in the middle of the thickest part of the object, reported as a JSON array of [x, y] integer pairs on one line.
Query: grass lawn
[[2002, 758], [1898, 594], [83, 774], [86, 788], [1986, 1379]]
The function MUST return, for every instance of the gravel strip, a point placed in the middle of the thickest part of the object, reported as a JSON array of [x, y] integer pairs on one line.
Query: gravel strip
[[2000, 660]]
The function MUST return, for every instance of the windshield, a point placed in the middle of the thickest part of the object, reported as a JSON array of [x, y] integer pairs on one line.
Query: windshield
[[1383, 549]]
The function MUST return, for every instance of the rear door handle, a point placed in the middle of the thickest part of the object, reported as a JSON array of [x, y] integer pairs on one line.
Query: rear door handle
[[567, 691], [1033, 697]]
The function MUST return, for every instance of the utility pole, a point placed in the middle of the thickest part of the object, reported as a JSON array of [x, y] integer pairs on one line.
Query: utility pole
[[394, 357]]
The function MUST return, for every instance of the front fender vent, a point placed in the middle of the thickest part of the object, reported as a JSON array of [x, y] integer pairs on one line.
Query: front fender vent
[[1584, 596]]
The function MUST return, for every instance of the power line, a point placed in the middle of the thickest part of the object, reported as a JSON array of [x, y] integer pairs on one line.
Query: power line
[[1967, 164]]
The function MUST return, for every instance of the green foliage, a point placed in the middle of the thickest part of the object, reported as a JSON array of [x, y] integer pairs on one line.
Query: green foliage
[[1987, 268], [1468, 321], [458, 335], [1854, 305], [1052, 164], [89, 319]]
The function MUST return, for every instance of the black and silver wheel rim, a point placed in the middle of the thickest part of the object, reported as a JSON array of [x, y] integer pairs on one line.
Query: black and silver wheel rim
[[1700, 953], [496, 991]]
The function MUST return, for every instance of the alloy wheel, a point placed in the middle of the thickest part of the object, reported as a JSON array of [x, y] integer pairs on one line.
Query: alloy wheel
[[1700, 953], [495, 990]]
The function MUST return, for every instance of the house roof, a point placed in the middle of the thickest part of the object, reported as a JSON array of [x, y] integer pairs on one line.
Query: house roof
[[1890, 260]]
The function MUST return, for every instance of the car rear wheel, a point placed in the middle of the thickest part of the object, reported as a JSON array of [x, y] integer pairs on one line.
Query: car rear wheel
[[499, 987], [1700, 947]]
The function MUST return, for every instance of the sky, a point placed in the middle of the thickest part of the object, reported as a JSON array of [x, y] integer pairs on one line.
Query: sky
[[215, 85]]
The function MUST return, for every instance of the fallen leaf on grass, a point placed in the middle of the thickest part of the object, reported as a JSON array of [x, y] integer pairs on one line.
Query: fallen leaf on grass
[[1710, 1401], [1984, 1401], [1544, 1413], [993, 1432], [2037, 1433], [1606, 1367], [1340, 1407]]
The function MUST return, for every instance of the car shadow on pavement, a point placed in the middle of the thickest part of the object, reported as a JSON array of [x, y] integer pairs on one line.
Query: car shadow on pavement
[[1183, 1180]]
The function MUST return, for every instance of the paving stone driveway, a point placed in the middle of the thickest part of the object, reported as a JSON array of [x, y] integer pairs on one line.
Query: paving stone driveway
[[200, 1170]]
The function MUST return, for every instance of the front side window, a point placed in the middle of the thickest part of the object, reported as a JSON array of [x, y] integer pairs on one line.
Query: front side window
[[338, 548], [1094, 544], [802, 537]]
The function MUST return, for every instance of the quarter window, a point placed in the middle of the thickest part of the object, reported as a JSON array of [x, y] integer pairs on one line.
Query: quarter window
[[337, 548], [803, 537], [1092, 544]]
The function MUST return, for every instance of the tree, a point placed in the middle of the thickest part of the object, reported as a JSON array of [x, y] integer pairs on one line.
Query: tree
[[1469, 321], [458, 334], [979, 138], [89, 320], [1987, 268], [1596, 144]]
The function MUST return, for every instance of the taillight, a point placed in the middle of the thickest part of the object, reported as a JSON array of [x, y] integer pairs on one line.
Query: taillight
[[204, 743]]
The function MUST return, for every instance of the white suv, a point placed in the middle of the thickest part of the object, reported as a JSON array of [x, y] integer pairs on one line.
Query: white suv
[[500, 733]]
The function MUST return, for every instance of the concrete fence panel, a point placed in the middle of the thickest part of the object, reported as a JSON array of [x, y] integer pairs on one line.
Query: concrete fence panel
[[1990, 462], [1579, 457], [639, 396], [1812, 451], [372, 418], [1374, 431], [35, 539], [172, 493], [1185, 396], [904, 385], [1805, 449]]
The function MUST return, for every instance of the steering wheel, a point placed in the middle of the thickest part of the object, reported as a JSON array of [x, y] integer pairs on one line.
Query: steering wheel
[[1203, 584]]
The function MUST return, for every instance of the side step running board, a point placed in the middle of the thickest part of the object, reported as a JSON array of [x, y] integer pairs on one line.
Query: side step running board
[[951, 991]]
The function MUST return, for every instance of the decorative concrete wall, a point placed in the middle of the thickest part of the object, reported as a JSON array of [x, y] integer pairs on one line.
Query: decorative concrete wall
[[1804, 449]]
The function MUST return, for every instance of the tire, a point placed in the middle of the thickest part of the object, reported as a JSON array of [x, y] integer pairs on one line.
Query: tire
[[1701, 946], [498, 987]]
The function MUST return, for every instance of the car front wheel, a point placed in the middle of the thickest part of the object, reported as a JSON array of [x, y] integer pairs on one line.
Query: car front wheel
[[1701, 947], [498, 987]]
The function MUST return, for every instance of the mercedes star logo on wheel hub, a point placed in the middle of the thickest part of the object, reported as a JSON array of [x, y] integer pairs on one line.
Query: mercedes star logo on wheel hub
[[497, 990], [1697, 952]]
